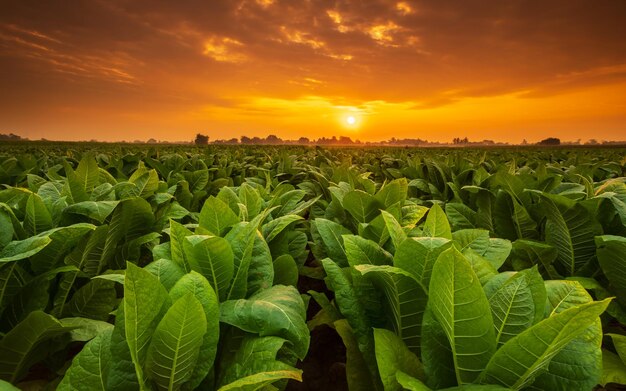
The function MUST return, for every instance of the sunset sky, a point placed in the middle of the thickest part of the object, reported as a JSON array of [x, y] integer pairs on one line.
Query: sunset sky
[[136, 69]]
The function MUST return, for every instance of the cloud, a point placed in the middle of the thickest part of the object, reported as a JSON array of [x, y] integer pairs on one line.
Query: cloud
[[163, 56]]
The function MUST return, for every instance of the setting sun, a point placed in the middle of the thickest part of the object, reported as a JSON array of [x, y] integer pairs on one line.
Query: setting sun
[[351, 120]]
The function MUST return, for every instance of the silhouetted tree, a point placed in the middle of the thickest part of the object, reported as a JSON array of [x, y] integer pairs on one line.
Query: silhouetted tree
[[201, 139], [550, 141]]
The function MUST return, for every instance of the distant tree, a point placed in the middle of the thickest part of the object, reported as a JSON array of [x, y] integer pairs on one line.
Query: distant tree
[[550, 141], [345, 140], [303, 140], [592, 141], [201, 139], [9, 136], [524, 142], [246, 140], [273, 139], [153, 141]]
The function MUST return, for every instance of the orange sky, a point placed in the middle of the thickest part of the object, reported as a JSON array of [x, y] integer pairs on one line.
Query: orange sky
[[135, 69]]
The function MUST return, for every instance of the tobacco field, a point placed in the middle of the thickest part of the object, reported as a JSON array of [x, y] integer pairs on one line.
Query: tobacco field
[[269, 268]]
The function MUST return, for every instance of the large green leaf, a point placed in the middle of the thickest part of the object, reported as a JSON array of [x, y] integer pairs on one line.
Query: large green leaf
[[612, 258], [63, 240], [145, 302], [25, 345], [579, 364], [406, 301], [198, 285], [212, 257], [517, 304], [175, 344], [37, 218], [436, 224], [131, 219], [331, 237], [357, 373], [392, 356], [90, 367], [96, 210], [94, 300], [571, 229], [393, 192], [242, 238], [21, 249], [122, 375], [256, 365], [396, 232], [459, 304], [216, 216], [519, 361], [277, 311], [362, 206], [350, 307], [362, 251], [418, 255]]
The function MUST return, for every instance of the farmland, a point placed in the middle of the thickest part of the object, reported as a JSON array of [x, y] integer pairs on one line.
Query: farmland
[[262, 268]]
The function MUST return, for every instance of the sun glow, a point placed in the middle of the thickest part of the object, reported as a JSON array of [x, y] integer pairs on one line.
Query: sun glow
[[350, 120]]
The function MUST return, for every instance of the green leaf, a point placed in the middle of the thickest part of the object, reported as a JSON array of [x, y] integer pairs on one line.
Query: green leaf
[[241, 238], [517, 304], [131, 219], [396, 232], [418, 255], [524, 357], [96, 210], [37, 218], [255, 365], [357, 373], [613, 369], [175, 344], [436, 353], [21, 249], [436, 224], [393, 192], [277, 311], [392, 356], [460, 306], [216, 216], [363, 251], [276, 226], [212, 257], [353, 311], [362, 206], [198, 285], [178, 233], [331, 234], [406, 301], [612, 258], [460, 216], [145, 301], [122, 375], [571, 230], [285, 271], [526, 253], [579, 364], [90, 367], [63, 240], [25, 345], [168, 272], [94, 300]]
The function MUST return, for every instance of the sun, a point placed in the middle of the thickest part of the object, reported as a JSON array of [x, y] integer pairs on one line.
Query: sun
[[350, 120]]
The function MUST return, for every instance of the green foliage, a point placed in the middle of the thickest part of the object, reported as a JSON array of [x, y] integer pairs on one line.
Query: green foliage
[[181, 268]]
